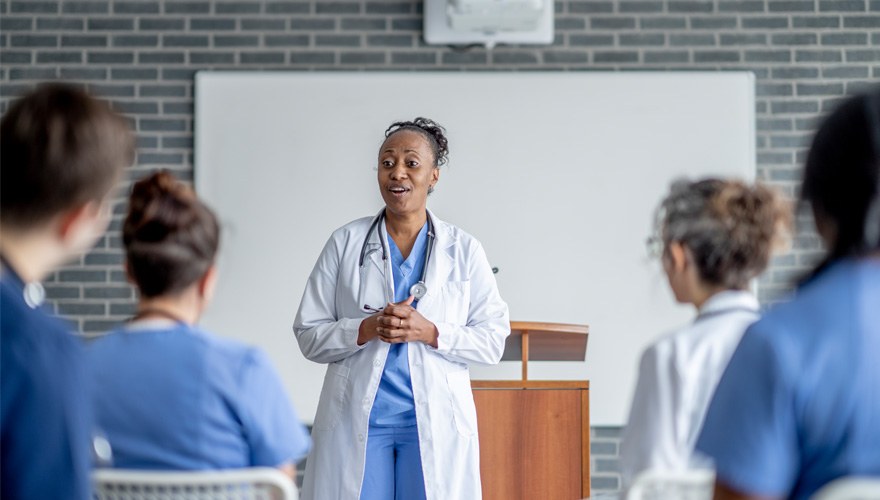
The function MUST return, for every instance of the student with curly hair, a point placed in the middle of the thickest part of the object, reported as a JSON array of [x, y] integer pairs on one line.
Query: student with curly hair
[[397, 306]]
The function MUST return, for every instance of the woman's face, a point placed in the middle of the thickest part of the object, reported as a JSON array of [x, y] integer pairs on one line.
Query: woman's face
[[406, 171]]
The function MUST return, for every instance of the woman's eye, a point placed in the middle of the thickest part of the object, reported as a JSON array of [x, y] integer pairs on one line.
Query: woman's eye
[[387, 163], [412, 163]]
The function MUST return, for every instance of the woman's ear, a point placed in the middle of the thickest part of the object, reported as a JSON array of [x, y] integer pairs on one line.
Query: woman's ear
[[435, 176], [208, 283], [678, 256]]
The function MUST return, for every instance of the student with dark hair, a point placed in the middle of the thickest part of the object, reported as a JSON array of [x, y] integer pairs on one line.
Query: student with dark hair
[[799, 404], [397, 306], [62, 153], [174, 396], [714, 236]]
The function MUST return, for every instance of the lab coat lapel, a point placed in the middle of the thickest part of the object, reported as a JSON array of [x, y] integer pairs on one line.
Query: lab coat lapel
[[442, 261]]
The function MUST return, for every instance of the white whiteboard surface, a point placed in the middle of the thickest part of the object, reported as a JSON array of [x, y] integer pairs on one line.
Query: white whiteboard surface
[[557, 174]]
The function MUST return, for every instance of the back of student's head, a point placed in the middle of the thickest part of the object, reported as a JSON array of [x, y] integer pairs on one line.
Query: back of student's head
[[60, 148], [729, 227], [170, 236], [842, 177]]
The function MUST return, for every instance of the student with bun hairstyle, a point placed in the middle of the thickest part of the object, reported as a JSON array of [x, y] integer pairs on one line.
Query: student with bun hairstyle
[[174, 396], [714, 236], [62, 153], [799, 404]]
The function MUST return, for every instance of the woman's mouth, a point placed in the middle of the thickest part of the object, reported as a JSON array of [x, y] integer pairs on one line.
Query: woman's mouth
[[398, 190]]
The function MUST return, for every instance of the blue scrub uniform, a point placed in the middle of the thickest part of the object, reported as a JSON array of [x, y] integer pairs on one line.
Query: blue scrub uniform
[[45, 417], [393, 463], [175, 397]]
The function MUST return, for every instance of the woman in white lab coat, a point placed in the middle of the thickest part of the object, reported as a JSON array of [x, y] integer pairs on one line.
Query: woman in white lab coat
[[397, 306], [714, 236]]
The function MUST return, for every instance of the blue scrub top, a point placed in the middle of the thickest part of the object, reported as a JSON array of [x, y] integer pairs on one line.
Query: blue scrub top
[[799, 404], [45, 416], [175, 397], [394, 405]]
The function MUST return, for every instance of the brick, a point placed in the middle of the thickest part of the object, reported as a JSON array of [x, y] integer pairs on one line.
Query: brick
[[163, 91], [742, 6], [663, 23], [128, 7], [161, 24], [177, 7], [819, 89], [176, 108], [795, 73], [861, 22], [337, 40], [236, 41], [337, 7], [842, 5], [83, 74], [626, 6], [764, 89], [616, 57], [264, 24], [389, 7], [112, 90], [773, 124], [364, 24], [177, 142], [110, 57], [390, 40], [211, 57], [162, 125], [135, 108], [817, 56], [237, 7], [32, 73], [34, 7], [10, 57], [716, 56], [82, 275], [472, 57], [612, 23], [691, 6], [791, 6], [789, 141], [81, 309], [312, 57], [845, 72], [139, 41], [518, 57], [689, 40], [407, 24], [590, 7], [60, 23], [598, 482], [868, 55], [59, 57], [816, 22], [713, 23], [844, 39], [312, 24], [159, 159], [84, 41], [110, 24], [54, 292], [743, 39], [286, 40], [591, 40], [184, 41], [212, 24], [767, 56], [794, 39], [261, 57], [414, 58], [775, 158], [569, 23], [161, 57], [178, 74], [287, 7], [34, 41], [607, 465], [362, 58], [666, 57], [16, 23], [69, 7], [601, 448], [644, 40], [764, 22], [565, 57], [100, 325], [786, 107], [134, 74], [129, 309]]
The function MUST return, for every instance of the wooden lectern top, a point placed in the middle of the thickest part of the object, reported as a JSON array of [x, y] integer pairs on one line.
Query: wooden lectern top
[[545, 342]]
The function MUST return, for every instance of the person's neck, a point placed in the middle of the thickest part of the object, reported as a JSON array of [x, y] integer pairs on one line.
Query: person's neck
[[704, 293], [185, 308], [32, 255], [405, 226]]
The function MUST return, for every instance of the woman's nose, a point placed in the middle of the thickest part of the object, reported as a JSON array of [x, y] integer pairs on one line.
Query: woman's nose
[[398, 172]]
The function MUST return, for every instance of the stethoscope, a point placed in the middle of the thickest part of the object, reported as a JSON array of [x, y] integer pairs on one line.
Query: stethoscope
[[419, 289]]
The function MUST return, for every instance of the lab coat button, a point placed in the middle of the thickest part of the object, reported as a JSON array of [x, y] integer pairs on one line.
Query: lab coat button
[[366, 401], [360, 437], [376, 362]]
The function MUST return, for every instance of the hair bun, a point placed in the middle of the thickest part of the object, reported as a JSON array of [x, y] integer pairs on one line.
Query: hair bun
[[159, 205]]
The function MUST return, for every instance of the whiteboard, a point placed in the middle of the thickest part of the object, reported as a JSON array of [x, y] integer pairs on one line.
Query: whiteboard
[[557, 174]]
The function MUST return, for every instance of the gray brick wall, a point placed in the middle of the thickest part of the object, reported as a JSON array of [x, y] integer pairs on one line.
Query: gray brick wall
[[142, 54]]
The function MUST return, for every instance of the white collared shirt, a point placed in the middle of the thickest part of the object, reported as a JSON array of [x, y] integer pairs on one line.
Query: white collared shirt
[[677, 377]]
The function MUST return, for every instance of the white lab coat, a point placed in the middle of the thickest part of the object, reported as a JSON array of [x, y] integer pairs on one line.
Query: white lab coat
[[473, 323], [677, 377]]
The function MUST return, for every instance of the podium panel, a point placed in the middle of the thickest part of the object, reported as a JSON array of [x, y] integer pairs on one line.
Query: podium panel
[[534, 439]]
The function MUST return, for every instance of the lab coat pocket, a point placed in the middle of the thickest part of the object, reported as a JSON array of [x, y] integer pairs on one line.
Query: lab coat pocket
[[332, 397], [464, 413], [456, 302]]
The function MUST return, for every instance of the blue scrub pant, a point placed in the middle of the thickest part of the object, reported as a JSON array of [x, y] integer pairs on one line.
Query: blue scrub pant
[[394, 467]]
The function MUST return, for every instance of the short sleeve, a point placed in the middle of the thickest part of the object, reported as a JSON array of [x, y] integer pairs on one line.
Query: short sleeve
[[273, 430], [750, 431]]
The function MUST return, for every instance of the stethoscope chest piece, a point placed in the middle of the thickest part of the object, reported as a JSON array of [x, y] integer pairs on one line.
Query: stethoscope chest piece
[[418, 290]]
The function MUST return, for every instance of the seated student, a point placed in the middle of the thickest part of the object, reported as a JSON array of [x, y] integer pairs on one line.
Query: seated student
[[799, 404], [62, 153], [716, 235], [170, 395]]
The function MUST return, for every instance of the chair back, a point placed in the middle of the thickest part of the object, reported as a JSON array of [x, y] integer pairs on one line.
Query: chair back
[[696, 484], [850, 488], [257, 483]]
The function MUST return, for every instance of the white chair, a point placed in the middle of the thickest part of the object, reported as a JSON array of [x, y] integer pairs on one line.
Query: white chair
[[695, 484], [258, 483], [850, 488]]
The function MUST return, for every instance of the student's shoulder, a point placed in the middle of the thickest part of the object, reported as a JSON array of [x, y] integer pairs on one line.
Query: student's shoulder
[[229, 352]]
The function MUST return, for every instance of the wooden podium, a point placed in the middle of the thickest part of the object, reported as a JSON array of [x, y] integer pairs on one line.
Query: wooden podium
[[535, 435]]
